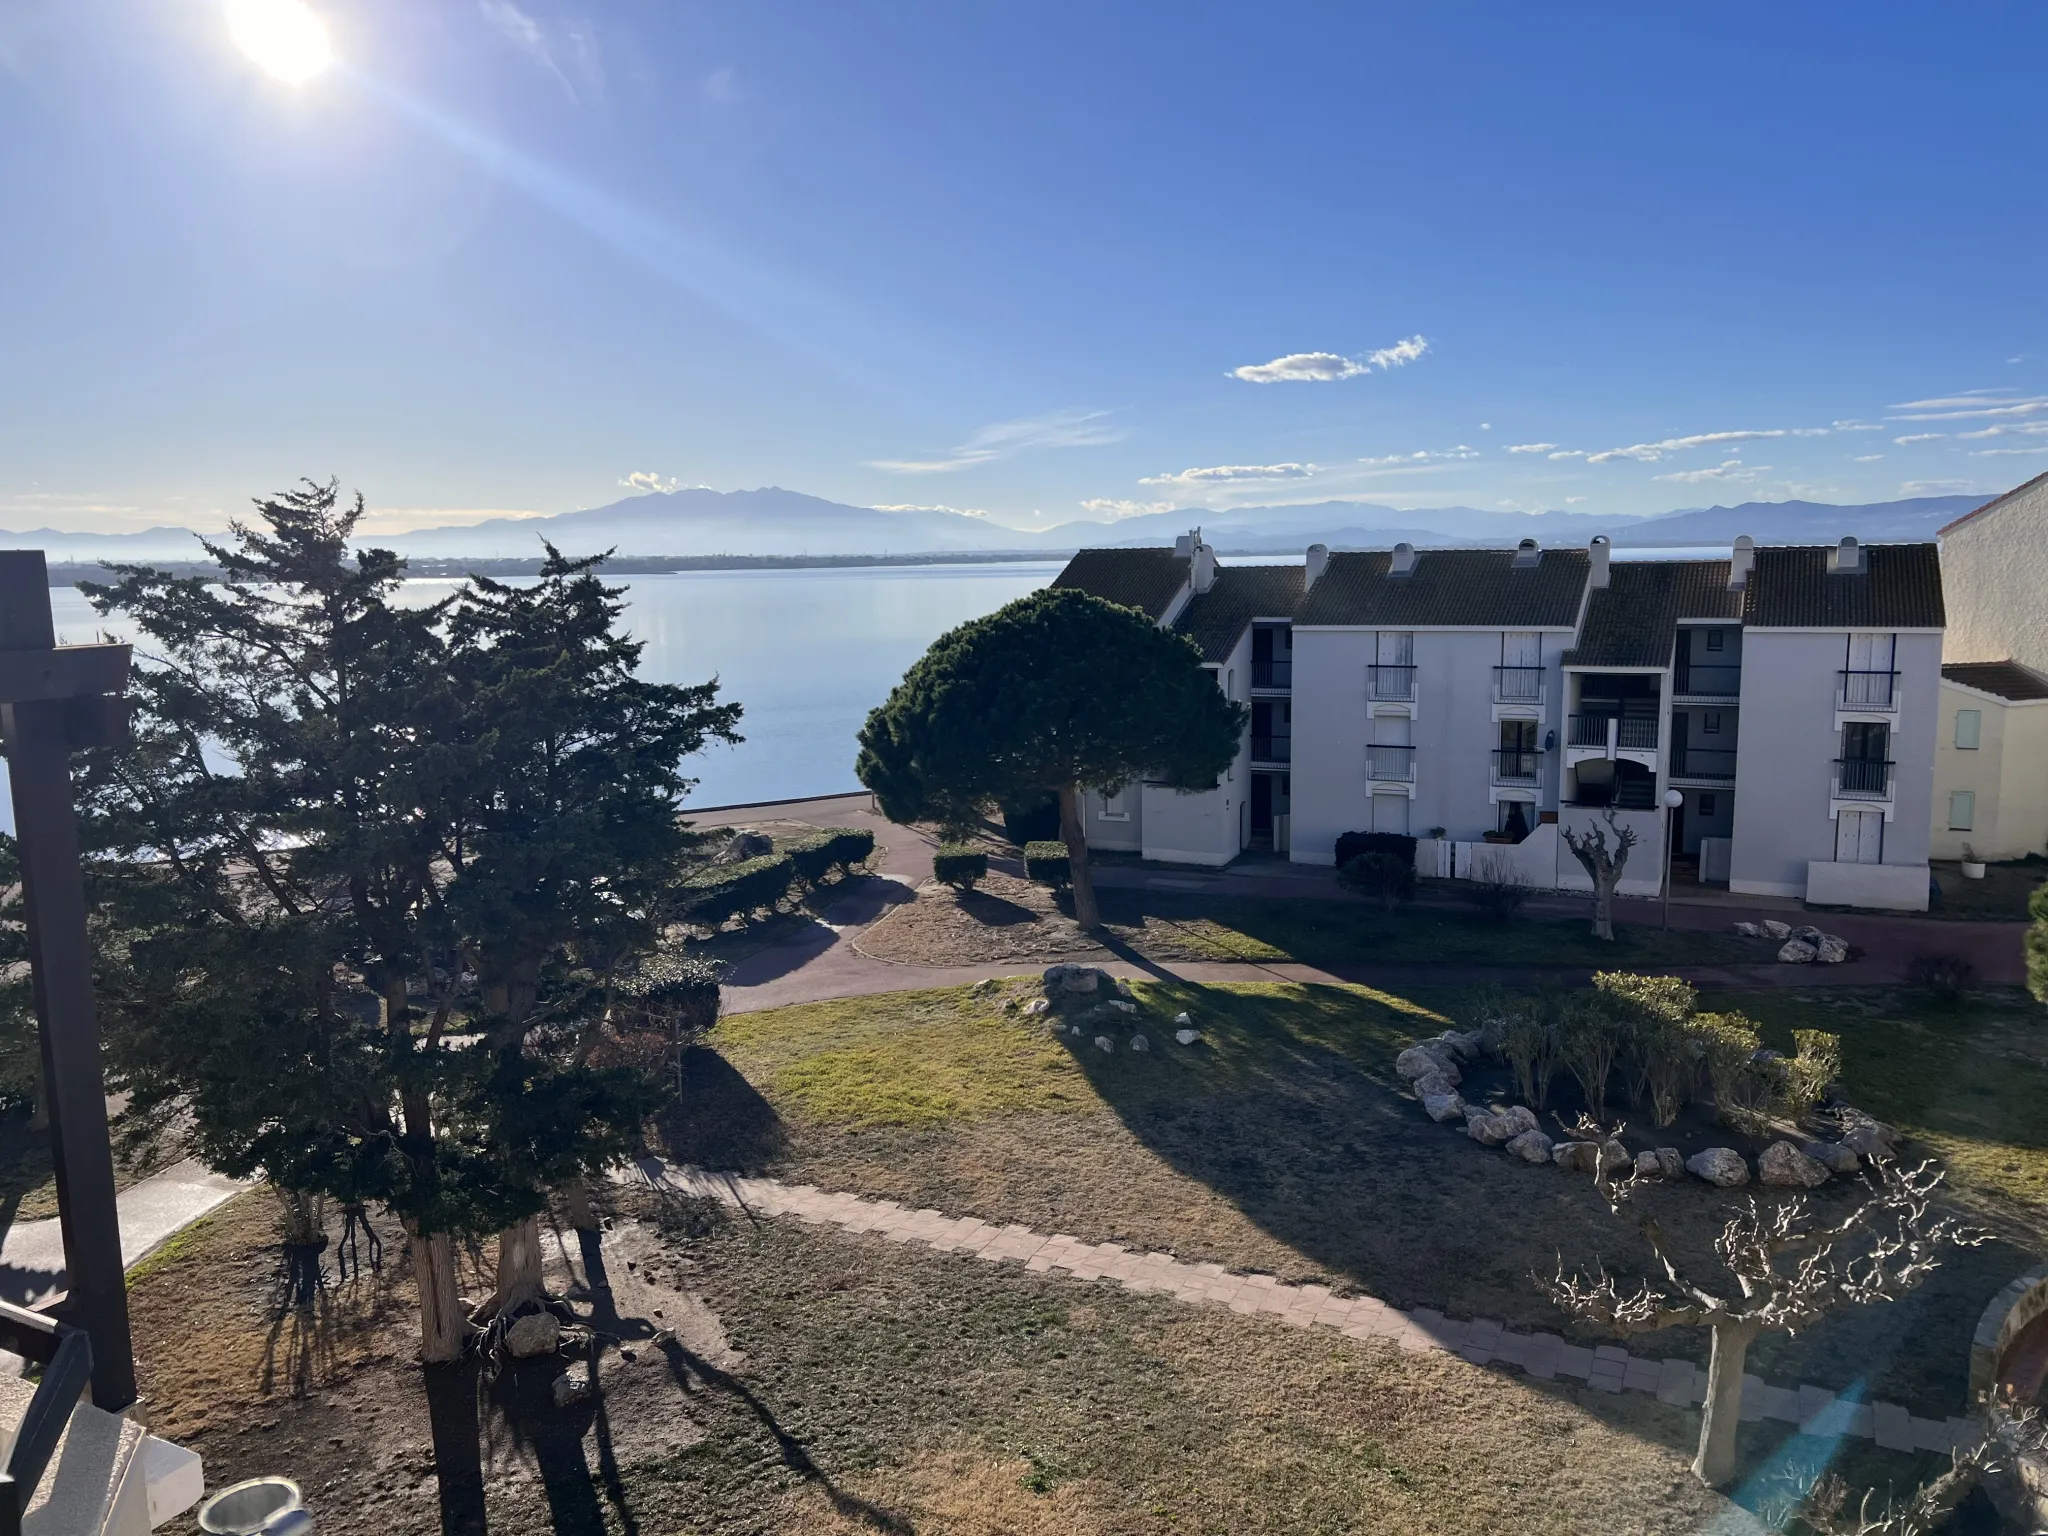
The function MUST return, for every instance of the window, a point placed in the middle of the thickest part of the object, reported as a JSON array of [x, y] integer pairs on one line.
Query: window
[[1716, 638], [1962, 810], [1708, 806], [1969, 727], [1230, 684], [1711, 722], [1116, 807]]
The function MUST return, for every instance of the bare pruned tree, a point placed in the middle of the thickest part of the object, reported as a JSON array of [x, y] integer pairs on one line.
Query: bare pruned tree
[[1789, 1269], [1603, 865]]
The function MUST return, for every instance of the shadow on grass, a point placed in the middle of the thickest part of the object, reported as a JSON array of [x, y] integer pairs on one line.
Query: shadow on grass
[[719, 1119]]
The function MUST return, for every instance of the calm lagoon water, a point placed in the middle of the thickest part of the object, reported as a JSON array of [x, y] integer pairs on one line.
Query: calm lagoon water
[[808, 653]]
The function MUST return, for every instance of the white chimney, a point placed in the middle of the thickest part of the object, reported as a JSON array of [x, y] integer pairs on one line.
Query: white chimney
[[1596, 555], [1741, 561], [1403, 562], [1184, 546], [1318, 562], [1528, 554], [1846, 558], [1202, 573]]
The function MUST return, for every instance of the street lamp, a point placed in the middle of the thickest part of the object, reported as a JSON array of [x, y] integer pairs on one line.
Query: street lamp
[[1672, 801]]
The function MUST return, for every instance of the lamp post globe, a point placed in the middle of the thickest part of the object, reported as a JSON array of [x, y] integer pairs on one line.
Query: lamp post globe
[[1672, 801]]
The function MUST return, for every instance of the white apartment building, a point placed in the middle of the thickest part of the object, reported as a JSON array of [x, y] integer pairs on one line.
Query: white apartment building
[[1483, 700]]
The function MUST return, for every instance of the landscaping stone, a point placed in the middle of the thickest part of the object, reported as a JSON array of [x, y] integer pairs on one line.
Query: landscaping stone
[[1614, 1157], [1576, 1156], [1435, 1082], [1140, 1043], [1796, 952], [1719, 1165], [1072, 978], [538, 1333], [1490, 1130], [742, 846], [1187, 1036], [1649, 1166], [571, 1387], [1673, 1162], [1182, 1020], [1038, 1005], [1831, 950], [1531, 1147], [1466, 1046], [1104, 1043], [1123, 986], [1808, 933], [1867, 1137], [1443, 1106], [1420, 1060], [1749, 930], [1123, 1007], [1773, 929], [1785, 1166], [1833, 1156]]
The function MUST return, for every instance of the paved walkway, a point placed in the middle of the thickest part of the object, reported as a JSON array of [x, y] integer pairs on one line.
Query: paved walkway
[[1816, 1410], [150, 1213]]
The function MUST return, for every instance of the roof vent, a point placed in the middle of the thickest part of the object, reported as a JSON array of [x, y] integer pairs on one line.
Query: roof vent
[[1184, 546], [1846, 558], [1403, 562], [1202, 572], [1741, 561], [1596, 557], [1318, 562], [1528, 554]]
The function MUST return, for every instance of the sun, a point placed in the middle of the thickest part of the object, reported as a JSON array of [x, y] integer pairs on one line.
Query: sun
[[283, 36]]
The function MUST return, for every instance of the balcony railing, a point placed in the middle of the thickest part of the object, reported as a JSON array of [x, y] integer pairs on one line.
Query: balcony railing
[[1587, 730], [1869, 690], [1389, 682], [1863, 778], [1516, 765], [1716, 763], [1272, 674], [1518, 685], [1623, 733], [1396, 764], [1272, 749], [1707, 681]]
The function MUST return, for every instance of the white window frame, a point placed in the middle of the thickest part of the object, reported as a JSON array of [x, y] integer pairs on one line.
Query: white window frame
[[1975, 733], [1116, 807]]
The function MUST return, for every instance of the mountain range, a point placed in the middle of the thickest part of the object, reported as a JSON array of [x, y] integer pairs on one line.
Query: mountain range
[[776, 522]]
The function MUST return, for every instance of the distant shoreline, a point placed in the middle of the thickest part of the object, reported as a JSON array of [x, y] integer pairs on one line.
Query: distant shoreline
[[69, 573]]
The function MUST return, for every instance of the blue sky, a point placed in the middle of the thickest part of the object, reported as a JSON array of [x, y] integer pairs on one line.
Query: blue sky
[[1042, 261]]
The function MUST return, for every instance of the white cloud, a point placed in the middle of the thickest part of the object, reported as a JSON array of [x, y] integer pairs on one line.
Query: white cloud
[[1973, 405], [1532, 448], [648, 480], [1001, 439], [1569, 453], [1230, 474], [1323, 367], [1650, 453], [2007, 429], [1867, 458], [531, 38], [1727, 469], [2020, 359], [1918, 437], [1855, 426], [2000, 453], [1111, 509], [1573, 501], [1486, 426], [909, 506], [722, 86], [1939, 488]]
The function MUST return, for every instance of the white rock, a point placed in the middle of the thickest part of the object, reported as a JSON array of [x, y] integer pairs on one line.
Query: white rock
[[1867, 1137], [1614, 1157], [1187, 1036], [1831, 950], [1072, 978], [571, 1388], [1490, 1130], [1434, 1083], [1749, 930], [537, 1333], [1038, 1005], [1576, 1156], [1182, 1020], [1773, 929], [1649, 1166], [1461, 1047], [1673, 1161], [1796, 952], [1531, 1147], [1123, 986], [1785, 1165], [1520, 1117], [1418, 1061], [1833, 1156], [1719, 1165], [1121, 1007], [1104, 1043], [1443, 1106], [1140, 1043]]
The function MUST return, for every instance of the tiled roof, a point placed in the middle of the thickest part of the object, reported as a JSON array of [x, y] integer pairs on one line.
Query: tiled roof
[[1449, 588], [1215, 619], [2039, 482], [1899, 588], [1633, 620], [1136, 578], [2004, 679]]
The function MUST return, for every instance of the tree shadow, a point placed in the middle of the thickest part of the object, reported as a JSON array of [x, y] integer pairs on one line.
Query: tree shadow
[[860, 899], [993, 911], [718, 1119], [454, 1418]]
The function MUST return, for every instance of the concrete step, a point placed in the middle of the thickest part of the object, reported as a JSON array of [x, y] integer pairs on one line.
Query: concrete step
[[108, 1475]]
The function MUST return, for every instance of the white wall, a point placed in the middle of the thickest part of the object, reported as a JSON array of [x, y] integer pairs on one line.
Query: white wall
[[1994, 572], [2007, 772], [1205, 826], [1126, 833]]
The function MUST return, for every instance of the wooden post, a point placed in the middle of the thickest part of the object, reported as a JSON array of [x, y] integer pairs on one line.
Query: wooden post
[[54, 700]]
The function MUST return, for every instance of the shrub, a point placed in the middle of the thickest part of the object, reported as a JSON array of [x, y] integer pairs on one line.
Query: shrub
[[2037, 943], [1046, 863], [1588, 1040], [1747, 1084], [739, 890], [1660, 1056], [1495, 889], [960, 866], [1946, 977], [1817, 1063], [1027, 824], [1351, 844], [1531, 1049], [657, 1010], [1380, 875], [833, 848]]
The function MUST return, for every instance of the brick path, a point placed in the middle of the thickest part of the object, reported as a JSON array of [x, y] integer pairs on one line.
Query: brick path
[[1482, 1341]]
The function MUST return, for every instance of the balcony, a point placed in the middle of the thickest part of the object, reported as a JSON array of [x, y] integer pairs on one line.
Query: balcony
[[1587, 731], [1394, 765], [1272, 749], [1518, 685], [1716, 765], [1272, 676], [1396, 683], [1707, 681], [1868, 690], [1863, 778], [1517, 765]]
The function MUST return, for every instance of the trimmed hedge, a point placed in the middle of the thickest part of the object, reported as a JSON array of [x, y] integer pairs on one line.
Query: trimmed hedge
[[838, 848], [1351, 844], [1381, 875], [960, 865], [673, 995], [1047, 864], [740, 890], [1025, 824]]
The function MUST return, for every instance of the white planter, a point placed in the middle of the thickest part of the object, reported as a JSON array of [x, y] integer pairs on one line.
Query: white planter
[[1972, 871]]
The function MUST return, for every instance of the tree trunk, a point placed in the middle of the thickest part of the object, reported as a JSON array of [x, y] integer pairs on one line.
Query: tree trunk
[[1077, 858], [1715, 1463], [1603, 906], [582, 1214], [519, 1288], [443, 1328]]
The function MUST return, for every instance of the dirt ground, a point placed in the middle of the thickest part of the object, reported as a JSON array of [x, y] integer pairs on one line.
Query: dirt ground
[[825, 1383], [1003, 918]]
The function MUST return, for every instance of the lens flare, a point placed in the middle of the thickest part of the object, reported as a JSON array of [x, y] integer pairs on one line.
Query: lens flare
[[283, 36]]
